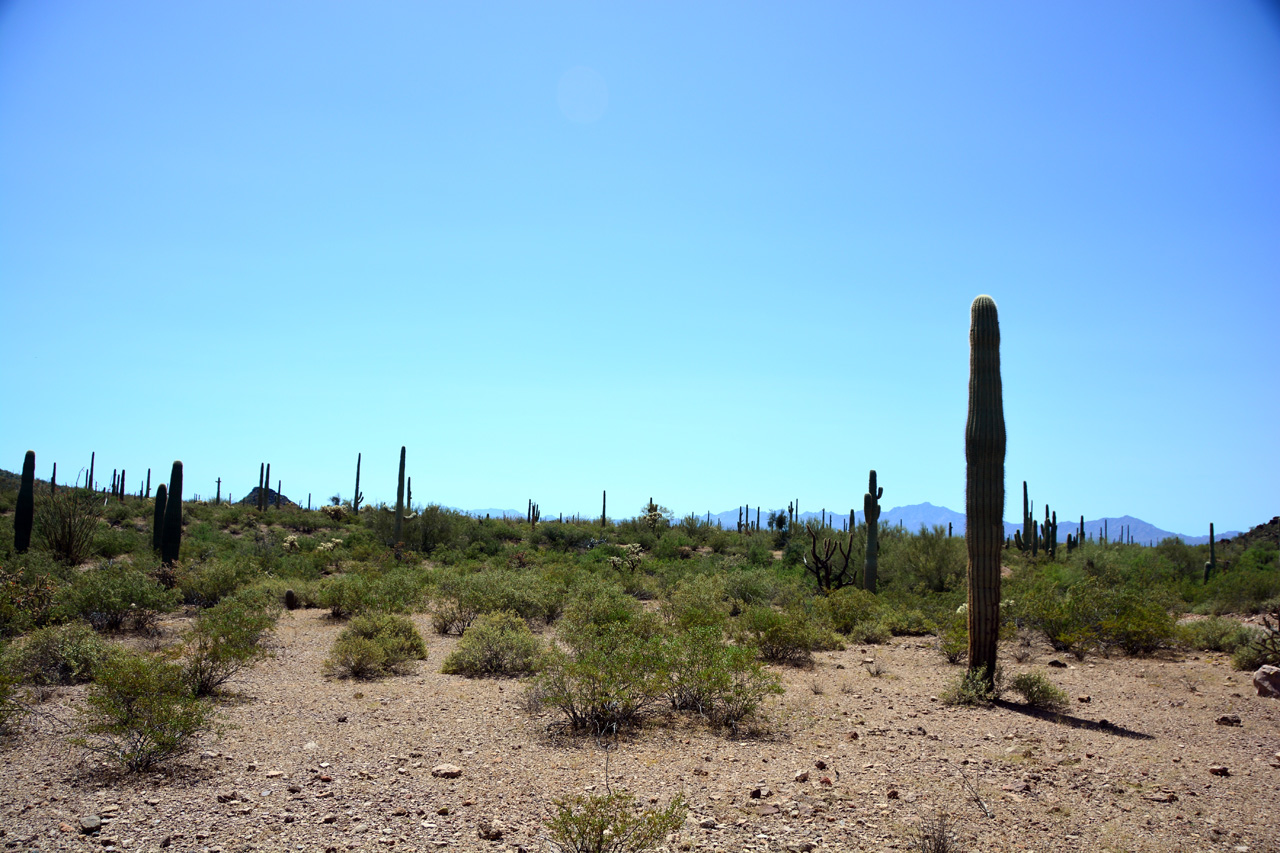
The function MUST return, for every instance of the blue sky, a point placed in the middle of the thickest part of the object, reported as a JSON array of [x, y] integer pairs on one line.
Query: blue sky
[[713, 253]]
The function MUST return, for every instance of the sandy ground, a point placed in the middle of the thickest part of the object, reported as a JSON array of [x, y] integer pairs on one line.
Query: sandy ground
[[850, 761]]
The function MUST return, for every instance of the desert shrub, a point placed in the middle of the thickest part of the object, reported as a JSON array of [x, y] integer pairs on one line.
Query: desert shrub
[[1038, 691], [225, 640], [972, 689], [856, 613], [697, 602], [609, 678], [26, 597], [496, 644], [60, 654], [345, 595], [673, 545], [1246, 586], [750, 586], [724, 683], [375, 644], [953, 637], [11, 706], [110, 595], [788, 636], [112, 542], [907, 621], [139, 712], [1263, 646], [205, 584], [610, 823], [66, 522], [1136, 623], [1214, 634], [598, 603]]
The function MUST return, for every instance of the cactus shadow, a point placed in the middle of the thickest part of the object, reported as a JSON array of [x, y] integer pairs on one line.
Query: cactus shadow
[[1102, 725]]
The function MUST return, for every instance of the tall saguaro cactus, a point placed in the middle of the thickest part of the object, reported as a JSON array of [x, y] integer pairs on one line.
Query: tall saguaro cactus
[[24, 513], [355, 501], [984, 448], [171, 541], [157, 519], [871, 515], [399, 528], [604, 506]]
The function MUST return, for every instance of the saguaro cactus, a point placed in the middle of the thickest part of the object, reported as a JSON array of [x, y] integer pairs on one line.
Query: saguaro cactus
[[171, 542], [157, 519], [399, 528], [604, 504], [24, 513], [1209, 567], [871, 514], [984, 448], [355, 501]]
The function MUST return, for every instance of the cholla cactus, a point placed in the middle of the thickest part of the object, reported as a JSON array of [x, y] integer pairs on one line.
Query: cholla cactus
[[630, 559], [291, 544]]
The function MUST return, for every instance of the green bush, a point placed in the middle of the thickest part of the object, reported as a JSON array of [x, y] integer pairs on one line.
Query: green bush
[[1214, 634], [113, 594], [374, 645], [139, 712], [789, 636], [225, 640], [857, 614], [724, 683], [61, 654], [27, 596], [345, 595], [496, 644], [205, 584], [1038, 691], [611, 676], [12, 708], [610, 823], [697, 602], [971, 689]]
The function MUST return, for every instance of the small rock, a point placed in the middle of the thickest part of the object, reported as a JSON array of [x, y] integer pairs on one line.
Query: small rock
[[893, 794], [90, 824], [707, 823], [342, 718], [760, 792], [490, 830], [820, 764], [1219, 770], [1057, 664], [825, 780], [1163, 797], [442, 810], [1229, 720], [1267, 681], [274, 774], [66, 827], [802, 776], [800, 846], [446, 771], [329, 818], [1085, 699]]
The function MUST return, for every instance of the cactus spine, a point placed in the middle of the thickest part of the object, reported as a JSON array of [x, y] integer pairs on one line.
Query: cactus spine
[[871, 514], [157, 520], [171, 541], [399, 528], [984, 449], [24, 513]]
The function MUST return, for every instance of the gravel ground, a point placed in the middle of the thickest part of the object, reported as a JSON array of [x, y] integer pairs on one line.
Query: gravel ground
[[846, 760]]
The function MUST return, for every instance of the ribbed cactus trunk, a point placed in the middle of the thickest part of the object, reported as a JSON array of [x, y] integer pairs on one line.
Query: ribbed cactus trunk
[[355, 501], [984, 448], [24, 514], [604, 506], [871, 514], [399, 528], [157, 520], [171, 542]]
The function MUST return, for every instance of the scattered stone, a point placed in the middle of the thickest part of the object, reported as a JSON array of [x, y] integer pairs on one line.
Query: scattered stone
[[825, 780], [66, 827], [707, 823], [446, 771], [490, 830], [760, 792], [1229, 720], [443, 810], [90, 824], [1163, 797], [766, 809], [1219, 770], [801, 846], [329, 818], [342, 718], [802, 776], [893, 794], [274, 774], [1267, 681], [698, 771], [820, 764], [1057, 664], [1085, 699]]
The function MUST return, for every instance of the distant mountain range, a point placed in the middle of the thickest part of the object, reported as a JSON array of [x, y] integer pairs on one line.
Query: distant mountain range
[[926, 514]]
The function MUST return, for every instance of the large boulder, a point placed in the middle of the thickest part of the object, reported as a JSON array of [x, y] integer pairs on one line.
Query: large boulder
[[1267, 681]]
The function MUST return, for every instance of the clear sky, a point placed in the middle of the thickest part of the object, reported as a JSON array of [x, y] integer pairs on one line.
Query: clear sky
[[712, 253]]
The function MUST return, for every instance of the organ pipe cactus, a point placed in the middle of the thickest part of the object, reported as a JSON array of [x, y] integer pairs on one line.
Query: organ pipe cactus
[[171, 541], [871, 514], [984, 449], [25, 512]]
